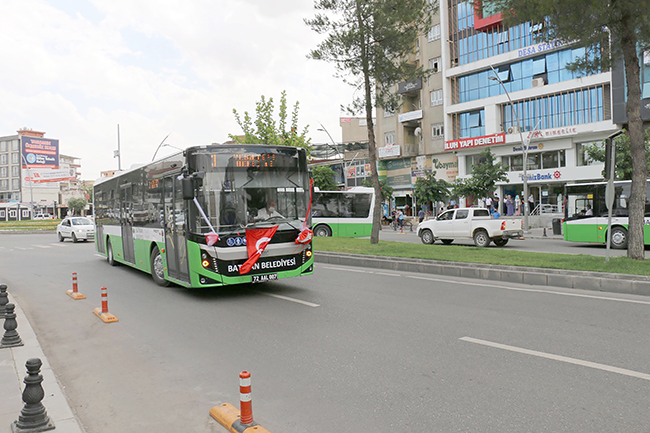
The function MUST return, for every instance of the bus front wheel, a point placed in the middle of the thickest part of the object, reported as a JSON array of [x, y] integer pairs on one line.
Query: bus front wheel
[[323, 231], [618, 238], [157, 268]]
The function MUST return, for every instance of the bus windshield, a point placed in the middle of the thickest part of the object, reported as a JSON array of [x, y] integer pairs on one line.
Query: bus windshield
[[249, 187]]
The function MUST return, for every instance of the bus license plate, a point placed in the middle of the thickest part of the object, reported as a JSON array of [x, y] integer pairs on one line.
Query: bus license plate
[[264, 278]]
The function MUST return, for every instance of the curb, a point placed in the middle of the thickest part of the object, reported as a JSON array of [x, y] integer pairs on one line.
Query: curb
[[584, 280]]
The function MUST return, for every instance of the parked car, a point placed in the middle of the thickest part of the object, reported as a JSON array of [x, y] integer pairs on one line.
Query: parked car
[[75, 228], [470, 223], [43, 216]]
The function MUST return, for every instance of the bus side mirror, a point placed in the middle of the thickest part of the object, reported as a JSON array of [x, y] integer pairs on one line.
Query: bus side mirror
[[187, 183]]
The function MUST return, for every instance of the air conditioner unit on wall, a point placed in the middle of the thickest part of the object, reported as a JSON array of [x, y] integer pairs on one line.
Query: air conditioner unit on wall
[[538, 82], [513, 130]]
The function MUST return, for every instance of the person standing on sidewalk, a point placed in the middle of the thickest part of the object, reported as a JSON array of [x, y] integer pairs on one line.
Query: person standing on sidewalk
[[400, 220]]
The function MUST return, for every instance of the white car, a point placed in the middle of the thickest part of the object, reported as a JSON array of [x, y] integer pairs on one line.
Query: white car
[[75, 228], [43, 216]]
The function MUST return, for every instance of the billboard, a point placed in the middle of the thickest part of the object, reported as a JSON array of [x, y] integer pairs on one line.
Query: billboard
[[39, 152]]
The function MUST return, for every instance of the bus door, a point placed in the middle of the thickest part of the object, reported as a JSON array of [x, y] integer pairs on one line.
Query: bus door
[[126, 221], [175, 242]]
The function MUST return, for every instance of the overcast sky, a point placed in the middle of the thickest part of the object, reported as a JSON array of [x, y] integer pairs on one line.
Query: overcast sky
[[76, 69]]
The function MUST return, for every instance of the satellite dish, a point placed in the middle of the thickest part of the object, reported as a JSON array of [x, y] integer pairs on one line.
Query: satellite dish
[[418, 131]]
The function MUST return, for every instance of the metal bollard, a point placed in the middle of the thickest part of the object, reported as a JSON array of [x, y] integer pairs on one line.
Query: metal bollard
[[4, 300], [33, 417], [10, 337], [544, 235]]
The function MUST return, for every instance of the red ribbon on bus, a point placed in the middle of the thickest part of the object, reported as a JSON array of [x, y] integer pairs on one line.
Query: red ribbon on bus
[[256, 242]]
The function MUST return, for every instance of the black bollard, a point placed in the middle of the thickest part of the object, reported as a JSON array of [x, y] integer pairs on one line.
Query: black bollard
[[33, 417], [4, 300], [11, 337], [544, 235]]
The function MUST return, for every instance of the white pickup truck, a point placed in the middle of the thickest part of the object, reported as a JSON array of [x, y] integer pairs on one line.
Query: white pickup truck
[[470, 223]]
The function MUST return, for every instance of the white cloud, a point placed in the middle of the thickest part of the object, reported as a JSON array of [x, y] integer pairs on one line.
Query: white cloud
[[77, 69]]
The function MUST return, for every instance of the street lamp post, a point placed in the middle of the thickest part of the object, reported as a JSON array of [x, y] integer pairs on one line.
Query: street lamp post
[[524, 143], [30, 174]]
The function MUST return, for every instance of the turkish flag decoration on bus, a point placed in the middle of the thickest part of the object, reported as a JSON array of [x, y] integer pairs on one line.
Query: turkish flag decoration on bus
[[256, 242]]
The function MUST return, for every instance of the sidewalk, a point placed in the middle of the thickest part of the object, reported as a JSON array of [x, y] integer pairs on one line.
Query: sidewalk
[[12, 373]]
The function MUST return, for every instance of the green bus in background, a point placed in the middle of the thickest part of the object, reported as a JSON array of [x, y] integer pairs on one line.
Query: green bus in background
[[585, 214], [343, 213], [186, 218]]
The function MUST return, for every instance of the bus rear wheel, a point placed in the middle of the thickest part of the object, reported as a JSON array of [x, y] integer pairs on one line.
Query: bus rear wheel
[[110, 258], [322, 231], [618, 238], [157, 268]]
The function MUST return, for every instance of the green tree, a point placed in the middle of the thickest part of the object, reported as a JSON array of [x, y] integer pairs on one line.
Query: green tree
[[324, 176], [484, 177], [77, 205], [386, 191], [265, 130], [369, 42], [431, 190], [610, 30], [623, 165]]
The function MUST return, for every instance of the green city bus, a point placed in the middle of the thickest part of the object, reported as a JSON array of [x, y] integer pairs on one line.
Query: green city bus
[[185, 218], [343, 213], [586, 214]]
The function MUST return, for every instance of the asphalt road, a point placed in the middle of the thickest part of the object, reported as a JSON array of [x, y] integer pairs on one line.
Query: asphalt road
[[347, 349]]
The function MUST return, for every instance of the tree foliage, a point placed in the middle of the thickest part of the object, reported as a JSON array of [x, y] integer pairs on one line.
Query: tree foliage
[[266, 130], [484, 177], [428, 189], [77, 205], [591, 23], [623, 164], [369, 42], [386, 191], [324, 176]]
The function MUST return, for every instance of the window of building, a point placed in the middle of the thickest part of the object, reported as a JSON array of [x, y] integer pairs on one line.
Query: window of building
[[3, 146], [3, 159], [14, 158], [389, 110], [437, 130], [15, 171], [472, 124], [14, 145], [521, 75], [3, 171], [434, 64], [472, 160], [389, 137], [4, 184], [15, 184], [436, 97], [434, 33]]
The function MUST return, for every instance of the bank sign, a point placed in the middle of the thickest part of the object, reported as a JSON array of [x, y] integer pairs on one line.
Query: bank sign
[[466, 143], [39, 152]]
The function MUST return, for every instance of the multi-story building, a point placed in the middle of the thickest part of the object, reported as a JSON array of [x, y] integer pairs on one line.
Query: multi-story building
[[503, 87], [410, 139], [447, 119], [34, 176]]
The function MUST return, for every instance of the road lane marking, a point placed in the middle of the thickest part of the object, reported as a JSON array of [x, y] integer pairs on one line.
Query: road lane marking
[[58, 245], [482, 284], [521, 289], [24, 249], [560, 358], [286, 298], [42, 246]]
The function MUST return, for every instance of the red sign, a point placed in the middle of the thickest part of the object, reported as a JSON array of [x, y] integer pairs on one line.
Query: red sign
[[466, 143], [256, 242], [483, 23]]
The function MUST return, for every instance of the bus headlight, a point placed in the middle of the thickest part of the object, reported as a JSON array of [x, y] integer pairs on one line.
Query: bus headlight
[[308, 253], [205, 263]]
